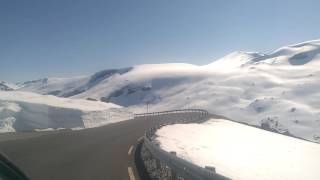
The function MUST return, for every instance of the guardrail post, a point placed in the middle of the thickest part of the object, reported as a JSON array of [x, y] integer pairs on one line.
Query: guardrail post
[[173, 173], [158, 164]]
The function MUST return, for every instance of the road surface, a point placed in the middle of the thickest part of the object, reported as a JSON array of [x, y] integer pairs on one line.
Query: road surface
[[98, 153]]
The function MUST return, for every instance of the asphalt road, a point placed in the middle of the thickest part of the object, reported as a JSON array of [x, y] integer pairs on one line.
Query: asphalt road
[[97, 153]]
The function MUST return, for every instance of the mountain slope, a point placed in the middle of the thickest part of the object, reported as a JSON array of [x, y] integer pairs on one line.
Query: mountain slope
[[5, 86], [66, 87], [277, 91], [236, 60]]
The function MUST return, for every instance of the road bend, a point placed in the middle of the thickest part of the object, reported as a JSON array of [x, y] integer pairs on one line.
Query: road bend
[[97, 153]]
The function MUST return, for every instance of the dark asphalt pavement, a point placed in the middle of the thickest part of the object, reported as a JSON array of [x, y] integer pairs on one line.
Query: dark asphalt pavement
[[91, 154]]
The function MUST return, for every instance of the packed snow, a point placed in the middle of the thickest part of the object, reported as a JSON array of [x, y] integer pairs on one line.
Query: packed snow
[[242, 152], [278, 91], [25, 111]]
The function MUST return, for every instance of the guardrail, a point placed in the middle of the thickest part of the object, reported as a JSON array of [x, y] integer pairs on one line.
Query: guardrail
[[172, 112], [180, 166]]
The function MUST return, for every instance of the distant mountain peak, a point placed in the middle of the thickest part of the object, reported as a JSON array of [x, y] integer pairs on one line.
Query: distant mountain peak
[[244, 55], [5, 86], [296, 54], [236, 59]]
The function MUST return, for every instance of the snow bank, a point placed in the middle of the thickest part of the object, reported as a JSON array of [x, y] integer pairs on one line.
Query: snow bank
[[242, 152], [24, 111]]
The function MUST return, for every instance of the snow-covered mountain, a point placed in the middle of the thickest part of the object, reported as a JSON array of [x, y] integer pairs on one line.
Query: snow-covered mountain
[[67, 87], [236, 60], [25, 111], [278, 91], [5, 86]]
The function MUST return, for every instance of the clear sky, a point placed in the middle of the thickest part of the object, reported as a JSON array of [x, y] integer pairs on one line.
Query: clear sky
[[62, 38]]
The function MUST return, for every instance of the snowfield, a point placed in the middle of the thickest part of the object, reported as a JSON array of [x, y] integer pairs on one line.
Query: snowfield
[[242, 152], [278, 91], [25, 111]]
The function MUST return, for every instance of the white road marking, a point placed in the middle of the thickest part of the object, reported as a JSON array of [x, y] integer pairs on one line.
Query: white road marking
[[140, 138], [130, 150], [131, 175]]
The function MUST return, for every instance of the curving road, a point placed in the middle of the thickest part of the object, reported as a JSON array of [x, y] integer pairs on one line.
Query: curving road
[[96, 153]]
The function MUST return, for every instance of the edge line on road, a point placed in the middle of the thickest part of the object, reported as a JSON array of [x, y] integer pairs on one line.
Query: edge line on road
[[130, 150], [130, 172], [140, 138]]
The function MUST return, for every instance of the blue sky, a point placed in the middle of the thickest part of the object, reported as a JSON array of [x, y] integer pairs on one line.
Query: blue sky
[[62, 38]]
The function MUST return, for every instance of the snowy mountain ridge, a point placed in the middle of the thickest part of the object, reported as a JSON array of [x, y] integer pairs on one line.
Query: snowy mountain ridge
[[236, 59], [5, 86], [278, 90]]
